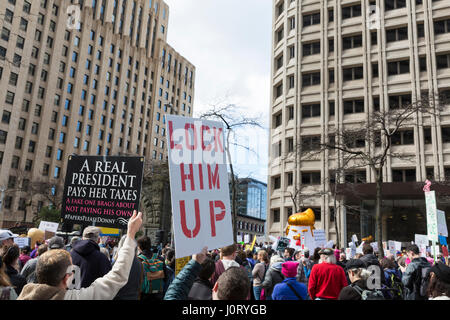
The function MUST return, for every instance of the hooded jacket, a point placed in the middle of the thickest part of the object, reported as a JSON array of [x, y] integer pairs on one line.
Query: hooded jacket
[[371, 260], [273, 277], [283, 291], [92, 262], [412, 276], [350, 293], [104, 288]]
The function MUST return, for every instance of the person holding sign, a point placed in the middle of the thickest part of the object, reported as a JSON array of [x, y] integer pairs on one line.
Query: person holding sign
[[52, 273]]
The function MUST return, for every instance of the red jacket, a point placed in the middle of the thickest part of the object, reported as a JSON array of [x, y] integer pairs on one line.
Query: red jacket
[[326, 281]]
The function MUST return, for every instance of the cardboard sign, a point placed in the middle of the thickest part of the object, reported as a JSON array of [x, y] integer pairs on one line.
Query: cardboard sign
[[199, 188], [320, 238], [102, 191], [441, 223], [48, 226], [48, 234], [180, 263], [22, 242], [432, 224], [421, 239]]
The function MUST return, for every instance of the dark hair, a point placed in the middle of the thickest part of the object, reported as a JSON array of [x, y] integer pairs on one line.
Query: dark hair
[[42, 249], [229, 250], [413, 248], [387, 263], [52, 267], [306, 253], [437, 287], [208, 268], [144, 243], [249, 253], [170, 256], [316, 255], [291, 251], [233, 284], [367, 248], [26, 250], [10, 254]]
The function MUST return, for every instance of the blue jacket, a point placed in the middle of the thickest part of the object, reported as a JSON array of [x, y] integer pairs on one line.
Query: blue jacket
[[389, 272], [283, 292], [181, 285]]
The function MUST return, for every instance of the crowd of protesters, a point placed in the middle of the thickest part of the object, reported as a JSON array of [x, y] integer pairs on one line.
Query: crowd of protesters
[[133, 269]]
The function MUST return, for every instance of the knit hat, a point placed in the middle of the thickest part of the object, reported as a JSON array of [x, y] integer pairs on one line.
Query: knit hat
[[56, 243], [276, 258], [289, 269], [442, 272], [337, 254]]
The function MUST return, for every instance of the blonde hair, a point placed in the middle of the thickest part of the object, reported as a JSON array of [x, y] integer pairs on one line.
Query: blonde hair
[[264, 255], [4, 279]]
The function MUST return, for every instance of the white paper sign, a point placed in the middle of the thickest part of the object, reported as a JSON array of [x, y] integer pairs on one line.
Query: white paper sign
[[423, 250], [199, 185], [398, 246], [348, 253], [432, 230], [247, 238], [354, 238], [360, 248], [391, 246], [320, 238], [48, 226], [22, 242], [421, 239], [441, 223], [374, 246]]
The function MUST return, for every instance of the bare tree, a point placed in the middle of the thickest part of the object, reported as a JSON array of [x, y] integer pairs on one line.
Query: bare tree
[[233, 118]]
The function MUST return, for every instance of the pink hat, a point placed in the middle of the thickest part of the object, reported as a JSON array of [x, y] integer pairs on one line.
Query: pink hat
[[289, 269], [337, 254]]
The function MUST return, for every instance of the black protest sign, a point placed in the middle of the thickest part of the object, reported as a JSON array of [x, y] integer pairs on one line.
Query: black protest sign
[[101, 190]]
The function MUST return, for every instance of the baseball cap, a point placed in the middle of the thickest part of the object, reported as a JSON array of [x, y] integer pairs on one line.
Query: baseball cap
[[91, 232], [442, 272], [355, 264], [56, 243], [6, 234], [327, 251]]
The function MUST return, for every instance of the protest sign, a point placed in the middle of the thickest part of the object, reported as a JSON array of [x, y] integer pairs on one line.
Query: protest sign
[[112, 232], [329, 244], [391, 246], [348, 253], [320, 238], [48, 234], [247, 238], [443, 240], [385, 246], [102, 190], [432, 229], [22, 242], [353, 249], [354, 239], [48, 226], [421, 239], [180, 263], [199, 188], [423, 250], [444, 251], [359, 248], [282, 244], [441, 223], [374, 246], [398, 246]]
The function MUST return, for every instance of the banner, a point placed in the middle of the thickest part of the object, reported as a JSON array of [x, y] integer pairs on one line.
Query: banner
[[199, 188], [320, 238], [432, 229], [102, 190], [441, 223]]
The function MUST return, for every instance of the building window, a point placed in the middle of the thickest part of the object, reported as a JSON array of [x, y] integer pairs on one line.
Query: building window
[[394, 4], [404, 137], [398, 67], [399, 102], [353, 106], [310, 143], [353, 73], [310, 79], [405, 175], [311, 178], [398, 34], [352, 41], [311, 19], [443, 61], [445, 134], [442, 26], [311, 48], [351, 11], [311, 110]]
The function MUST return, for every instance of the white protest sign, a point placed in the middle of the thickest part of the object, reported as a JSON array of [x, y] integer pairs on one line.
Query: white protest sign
[[320, 238], [374, 246], [421, 239], [354, 238], [246, 238], [391, 246], [199, 185], [423, 250], [329, 244], [353, 249], [360, 248], [348, 253], [398, 246], [48, 226], [441, 223], [22, 242], [432, 230]]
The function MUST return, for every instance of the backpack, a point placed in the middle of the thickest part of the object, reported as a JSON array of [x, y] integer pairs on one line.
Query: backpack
[[422, 283], [153, 274], [397, 287], [367, 294]]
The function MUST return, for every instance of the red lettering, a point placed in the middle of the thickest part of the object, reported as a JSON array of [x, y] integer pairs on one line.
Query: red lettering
[[172, 143], [208, 147], [213, 178], [200, 175], [217, 139], [189, 176], [186, 131], [187, 232], [216, 217]]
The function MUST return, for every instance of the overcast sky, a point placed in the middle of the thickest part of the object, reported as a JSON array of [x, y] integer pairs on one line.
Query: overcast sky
[[229, 42]]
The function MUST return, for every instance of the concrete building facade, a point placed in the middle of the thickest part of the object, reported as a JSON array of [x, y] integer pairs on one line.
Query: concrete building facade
[[101, 87], [333, 63]]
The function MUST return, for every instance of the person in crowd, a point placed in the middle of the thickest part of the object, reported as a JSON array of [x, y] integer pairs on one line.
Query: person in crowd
[[10, 258], [241, 258], [228, 254], [343, 259], [303, 271], [359, 255], [415, 275], [86, 254], [7, 292], [170, 268], [393, 278], [24, 256], [401, 261], [358, 275], [6, 238], [250, 260], [259, 272], [72, 243], [53, 277], [289, 254], [290, 288], [439, 285], [316, 256], [273, 276], [430, 258], [29, 269], [202, 288], [371, 260], [131, 290], [152, 289], [327, 279]]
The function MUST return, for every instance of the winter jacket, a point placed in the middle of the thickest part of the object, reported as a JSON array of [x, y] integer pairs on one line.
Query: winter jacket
[[104, 288], [29, 270], [350, 293], [170, 276], [258, 273], [412, 276], [282, 291], [251, 262], [272, 278], [182, 284], [371, 260], [17, 280], [130, 291], [201, 290], [326, 281], [389, 272], [92, 262]]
